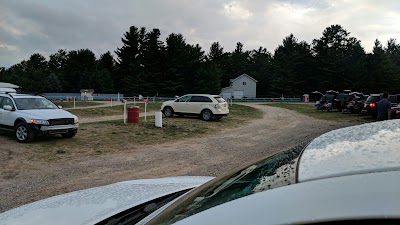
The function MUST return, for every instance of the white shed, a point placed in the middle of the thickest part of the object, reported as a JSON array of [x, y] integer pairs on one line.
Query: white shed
[[242, 86]]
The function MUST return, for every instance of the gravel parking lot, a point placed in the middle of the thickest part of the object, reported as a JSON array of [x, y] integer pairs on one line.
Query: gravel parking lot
[[212, 155]]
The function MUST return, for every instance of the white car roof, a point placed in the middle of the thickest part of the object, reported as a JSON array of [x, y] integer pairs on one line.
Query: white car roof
[[7, 90], [203, 95], [25, 96], [367, 148]]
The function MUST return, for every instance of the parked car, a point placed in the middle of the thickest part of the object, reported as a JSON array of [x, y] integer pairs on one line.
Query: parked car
[[340, 101], [346, 176], [30, 116], [326, 102], [356, 104], [208, 107], [371, 104]]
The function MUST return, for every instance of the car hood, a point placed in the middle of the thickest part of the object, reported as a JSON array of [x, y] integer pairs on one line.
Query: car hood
[[93, 205], [366, 148], [46, 114]]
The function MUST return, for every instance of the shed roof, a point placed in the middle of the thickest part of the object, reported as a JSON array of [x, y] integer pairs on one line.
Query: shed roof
[[87, 90], [237, 78]]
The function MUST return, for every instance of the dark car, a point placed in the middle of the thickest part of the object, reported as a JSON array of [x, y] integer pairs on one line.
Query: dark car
[[326, 102], [371, 104], [395, 100], [342, 100], [356, 104]]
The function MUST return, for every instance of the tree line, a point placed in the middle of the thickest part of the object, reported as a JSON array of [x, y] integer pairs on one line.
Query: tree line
[[148, 66]]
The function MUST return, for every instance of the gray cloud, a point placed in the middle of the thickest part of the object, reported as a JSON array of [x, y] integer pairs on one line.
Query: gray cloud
[[30, 26]]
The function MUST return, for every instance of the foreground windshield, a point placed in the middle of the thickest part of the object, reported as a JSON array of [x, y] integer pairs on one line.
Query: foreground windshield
[[275, 171], [34, 103]]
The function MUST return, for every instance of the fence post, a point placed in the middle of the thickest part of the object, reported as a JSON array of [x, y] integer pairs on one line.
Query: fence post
[[74, 102], [145, 111], [124, 112], [111, 101]]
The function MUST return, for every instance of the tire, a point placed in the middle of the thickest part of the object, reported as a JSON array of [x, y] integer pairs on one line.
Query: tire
[[70, 134], [207, 115], [168, 111], [23, 133]]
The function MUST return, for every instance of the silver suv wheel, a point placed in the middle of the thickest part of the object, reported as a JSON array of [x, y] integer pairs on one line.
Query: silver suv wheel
[[21, 133], [206, 115]]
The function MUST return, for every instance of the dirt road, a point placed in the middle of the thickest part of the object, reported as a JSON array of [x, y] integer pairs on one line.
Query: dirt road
[[212, 155]]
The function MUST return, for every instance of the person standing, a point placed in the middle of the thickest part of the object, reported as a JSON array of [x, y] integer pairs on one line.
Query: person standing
[[384, 108]]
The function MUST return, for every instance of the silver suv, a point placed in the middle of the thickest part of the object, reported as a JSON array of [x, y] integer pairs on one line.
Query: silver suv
[[209, 107], [29, 116]]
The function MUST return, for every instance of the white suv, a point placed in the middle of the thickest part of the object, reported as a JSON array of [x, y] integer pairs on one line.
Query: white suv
[[209, 107], [28, 116]]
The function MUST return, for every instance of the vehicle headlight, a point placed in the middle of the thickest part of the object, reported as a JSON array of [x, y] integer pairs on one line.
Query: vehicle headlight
[[76, 119], [217, 106], [39, 121]]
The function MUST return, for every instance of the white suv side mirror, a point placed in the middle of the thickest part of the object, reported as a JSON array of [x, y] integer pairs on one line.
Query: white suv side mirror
[[59, 106], [7, 107]]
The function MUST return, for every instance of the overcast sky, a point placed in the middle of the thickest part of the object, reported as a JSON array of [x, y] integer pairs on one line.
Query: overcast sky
[[44, 26]]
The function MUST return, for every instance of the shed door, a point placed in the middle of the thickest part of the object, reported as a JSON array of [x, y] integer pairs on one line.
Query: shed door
[[238, 94]]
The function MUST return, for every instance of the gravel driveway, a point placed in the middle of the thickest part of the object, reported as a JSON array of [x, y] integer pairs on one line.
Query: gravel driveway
[[214, 155]]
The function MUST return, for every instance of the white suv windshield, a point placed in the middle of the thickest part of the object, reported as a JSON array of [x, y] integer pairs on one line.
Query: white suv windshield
[[34, 103]]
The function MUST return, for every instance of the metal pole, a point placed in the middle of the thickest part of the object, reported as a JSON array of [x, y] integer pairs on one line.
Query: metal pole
[[124, 112], [134, 100], [145, 111], [74, 102]]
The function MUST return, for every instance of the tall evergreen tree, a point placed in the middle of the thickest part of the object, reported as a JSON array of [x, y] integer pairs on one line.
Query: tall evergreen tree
[[261, 69], [104, 71], [293, 65], [383, 73], [333, 52], [182, 61], [130, 73]]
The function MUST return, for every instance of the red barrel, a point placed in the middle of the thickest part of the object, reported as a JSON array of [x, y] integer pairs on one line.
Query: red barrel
[[133, 114]]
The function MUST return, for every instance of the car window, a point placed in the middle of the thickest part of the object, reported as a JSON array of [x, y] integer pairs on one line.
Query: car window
[[34, 103], [6, 101], [200, 99], [220, 99], [184, 98], [373, 99], [272, 172], [393, 99]]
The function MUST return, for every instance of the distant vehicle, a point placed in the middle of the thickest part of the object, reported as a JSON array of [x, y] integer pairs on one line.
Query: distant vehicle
[[29, 116], [357, 104], [208, 107], [371, 104], [346, 176], [326, 102]]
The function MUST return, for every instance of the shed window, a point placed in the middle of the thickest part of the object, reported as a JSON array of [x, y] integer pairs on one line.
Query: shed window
[[244, 82]]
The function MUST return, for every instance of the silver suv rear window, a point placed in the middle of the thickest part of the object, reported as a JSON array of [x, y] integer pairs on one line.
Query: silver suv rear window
[[220, 99]]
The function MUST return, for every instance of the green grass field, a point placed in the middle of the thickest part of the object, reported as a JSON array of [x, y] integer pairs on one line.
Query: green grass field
[[112, 136]]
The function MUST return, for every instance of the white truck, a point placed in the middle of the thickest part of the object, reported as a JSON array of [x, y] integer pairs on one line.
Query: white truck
[[30, 116]]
